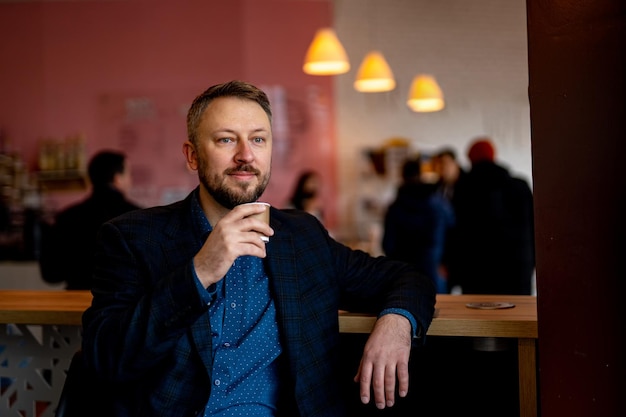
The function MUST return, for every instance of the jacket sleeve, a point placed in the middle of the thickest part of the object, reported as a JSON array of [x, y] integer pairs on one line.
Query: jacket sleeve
[[366, 284], [143, 304]]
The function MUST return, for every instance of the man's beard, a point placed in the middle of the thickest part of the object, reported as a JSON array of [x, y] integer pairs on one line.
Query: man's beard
[[233, 196]]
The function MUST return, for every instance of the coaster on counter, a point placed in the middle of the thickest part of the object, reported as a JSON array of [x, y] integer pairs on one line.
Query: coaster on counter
[[489, 305]]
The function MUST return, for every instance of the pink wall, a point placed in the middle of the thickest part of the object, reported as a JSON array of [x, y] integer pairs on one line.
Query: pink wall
[[75, 67]]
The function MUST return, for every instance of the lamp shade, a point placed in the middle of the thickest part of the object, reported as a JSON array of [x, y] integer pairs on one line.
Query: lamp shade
[[425, 94], [326, 55], [374, 74]]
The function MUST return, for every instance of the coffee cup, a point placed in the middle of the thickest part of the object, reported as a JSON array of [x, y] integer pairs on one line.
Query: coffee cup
[[264, 216]]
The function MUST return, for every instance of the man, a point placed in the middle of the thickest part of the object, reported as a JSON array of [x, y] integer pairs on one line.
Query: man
[[68, 245], [194, 315], [494, 234]]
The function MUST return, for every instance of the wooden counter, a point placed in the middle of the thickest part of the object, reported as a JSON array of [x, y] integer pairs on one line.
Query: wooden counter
[[43, 307], [452, 318]]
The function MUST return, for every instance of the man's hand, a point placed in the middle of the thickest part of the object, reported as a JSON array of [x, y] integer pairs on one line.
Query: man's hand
[[385, 356], [234, 235]]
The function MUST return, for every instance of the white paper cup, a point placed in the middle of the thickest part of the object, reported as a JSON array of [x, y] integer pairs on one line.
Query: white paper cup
[[264, 216]]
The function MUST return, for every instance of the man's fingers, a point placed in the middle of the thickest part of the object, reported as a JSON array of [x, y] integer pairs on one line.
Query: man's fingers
[[403, 379], [382, 382], [390, 386], [364, 378]]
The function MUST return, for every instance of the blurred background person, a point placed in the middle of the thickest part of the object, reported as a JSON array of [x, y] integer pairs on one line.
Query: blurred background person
[[448, 170], [68, 244], [307, 196], [416, 224], [494, 236], [6, 237]]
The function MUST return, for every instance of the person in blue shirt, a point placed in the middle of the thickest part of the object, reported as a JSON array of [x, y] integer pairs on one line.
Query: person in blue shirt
[[193, 314]]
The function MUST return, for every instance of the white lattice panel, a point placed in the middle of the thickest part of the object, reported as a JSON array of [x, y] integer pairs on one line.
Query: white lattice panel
[[33, 364]]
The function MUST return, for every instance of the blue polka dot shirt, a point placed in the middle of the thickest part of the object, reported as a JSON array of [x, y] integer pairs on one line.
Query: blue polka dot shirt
[[245, 338]]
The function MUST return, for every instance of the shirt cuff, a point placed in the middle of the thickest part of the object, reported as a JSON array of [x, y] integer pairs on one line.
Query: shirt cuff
[[416, 330], [207, 295]]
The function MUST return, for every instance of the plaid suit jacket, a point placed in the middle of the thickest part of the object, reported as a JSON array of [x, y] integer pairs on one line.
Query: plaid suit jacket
[[148, 334]]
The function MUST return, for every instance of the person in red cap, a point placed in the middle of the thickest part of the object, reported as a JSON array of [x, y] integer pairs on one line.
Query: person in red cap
[[481, 150], [493, 249]]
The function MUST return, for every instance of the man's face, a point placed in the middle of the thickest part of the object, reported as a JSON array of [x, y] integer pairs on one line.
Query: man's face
[[233, 153], [449, 169]]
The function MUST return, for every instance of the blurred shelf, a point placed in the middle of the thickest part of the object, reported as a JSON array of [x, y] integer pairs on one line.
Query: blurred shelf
[[62, 180]]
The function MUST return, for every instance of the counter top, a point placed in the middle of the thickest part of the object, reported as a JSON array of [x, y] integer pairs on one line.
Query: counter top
[[452, 316], [43, 307]]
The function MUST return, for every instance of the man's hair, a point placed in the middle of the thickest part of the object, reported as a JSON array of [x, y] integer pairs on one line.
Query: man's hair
[[239, 89], [103, 167]]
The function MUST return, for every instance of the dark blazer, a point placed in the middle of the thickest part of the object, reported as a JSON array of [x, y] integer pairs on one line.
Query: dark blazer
[[148, 332]]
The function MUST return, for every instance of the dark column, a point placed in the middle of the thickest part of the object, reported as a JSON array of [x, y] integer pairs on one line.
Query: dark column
[[577, 70]]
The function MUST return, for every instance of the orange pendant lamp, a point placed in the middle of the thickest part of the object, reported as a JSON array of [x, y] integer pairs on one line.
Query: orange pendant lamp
[[425, 94], [326, 55], [374, 74]]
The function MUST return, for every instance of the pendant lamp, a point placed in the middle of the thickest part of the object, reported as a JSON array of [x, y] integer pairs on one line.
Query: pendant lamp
[[326, 55], [425, 94], [374, 74]]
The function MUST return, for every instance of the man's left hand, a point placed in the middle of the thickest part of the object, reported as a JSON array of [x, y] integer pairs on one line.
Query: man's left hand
[[385, 357]]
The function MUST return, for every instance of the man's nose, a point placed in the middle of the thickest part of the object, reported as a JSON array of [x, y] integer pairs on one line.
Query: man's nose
[[244, 152]]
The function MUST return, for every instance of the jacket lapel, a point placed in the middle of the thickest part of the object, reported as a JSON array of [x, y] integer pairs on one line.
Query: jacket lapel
[[183, 242], [281, 268]]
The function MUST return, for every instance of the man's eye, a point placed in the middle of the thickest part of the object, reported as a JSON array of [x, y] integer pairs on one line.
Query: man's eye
[[225, 140], [259, 140]]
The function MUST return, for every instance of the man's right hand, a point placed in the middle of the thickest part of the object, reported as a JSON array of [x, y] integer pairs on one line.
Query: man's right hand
[[234, 235]]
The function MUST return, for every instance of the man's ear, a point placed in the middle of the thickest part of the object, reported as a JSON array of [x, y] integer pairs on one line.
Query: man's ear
[[121, 181], [189, 150]]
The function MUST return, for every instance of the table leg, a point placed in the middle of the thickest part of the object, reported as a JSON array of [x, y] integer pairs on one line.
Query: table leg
[[526, 356]]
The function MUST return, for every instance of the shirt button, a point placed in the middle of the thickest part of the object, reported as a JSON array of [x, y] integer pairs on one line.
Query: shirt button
[[233, 305], [226, 344], [217, 382]]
